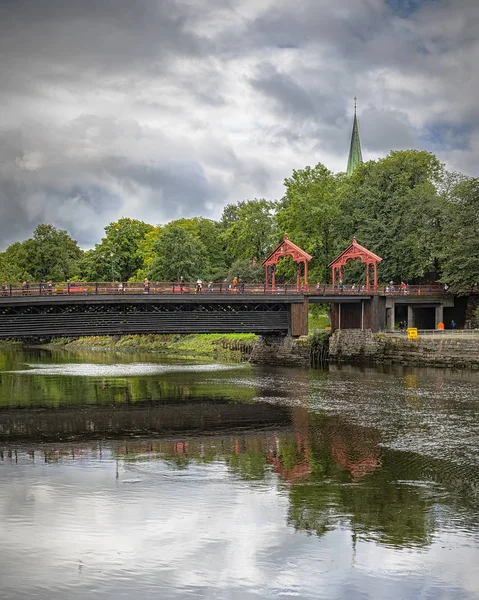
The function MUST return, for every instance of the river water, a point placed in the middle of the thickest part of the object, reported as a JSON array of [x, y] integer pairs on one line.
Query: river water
[[130, 476]]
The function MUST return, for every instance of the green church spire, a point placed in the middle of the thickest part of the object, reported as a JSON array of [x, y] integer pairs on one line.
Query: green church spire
[[355, 155]]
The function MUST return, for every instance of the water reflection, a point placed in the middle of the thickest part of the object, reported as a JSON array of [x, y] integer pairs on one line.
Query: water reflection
[[243, 483]]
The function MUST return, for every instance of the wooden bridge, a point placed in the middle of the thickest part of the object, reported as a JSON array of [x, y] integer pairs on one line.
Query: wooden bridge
[[104, 308]]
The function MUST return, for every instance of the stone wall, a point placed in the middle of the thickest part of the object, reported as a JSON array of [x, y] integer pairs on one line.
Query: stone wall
[[471, 307], [352, 345], [281, 350]]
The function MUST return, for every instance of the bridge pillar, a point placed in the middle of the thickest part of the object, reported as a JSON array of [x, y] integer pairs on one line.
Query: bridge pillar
[[391, 316], [410, 316], [439, 314], [299, 319]]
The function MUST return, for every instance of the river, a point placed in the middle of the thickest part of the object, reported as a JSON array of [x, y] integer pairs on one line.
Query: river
[[134, 476]]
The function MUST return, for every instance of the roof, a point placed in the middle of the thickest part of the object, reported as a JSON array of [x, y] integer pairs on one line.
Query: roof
[[355, 154], [286, 248], [355, 250]]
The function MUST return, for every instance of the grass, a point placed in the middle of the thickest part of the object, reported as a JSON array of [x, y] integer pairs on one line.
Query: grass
[[231, 344], [318, 320]]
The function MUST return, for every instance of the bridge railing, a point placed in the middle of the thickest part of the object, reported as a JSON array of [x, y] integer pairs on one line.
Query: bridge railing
[[74, 288], [326, 289]]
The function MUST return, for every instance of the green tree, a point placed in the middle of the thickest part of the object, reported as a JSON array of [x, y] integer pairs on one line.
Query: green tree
[[177, 253], [393, 206], [461, 237], [250, 229], [145, 250], [118, 255], [208, 233], [308, 214], [13, 264], [50, 254], [246, 270]]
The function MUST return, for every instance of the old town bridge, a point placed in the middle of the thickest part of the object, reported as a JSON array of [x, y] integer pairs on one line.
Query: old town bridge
[[75, 309], [107, 309]]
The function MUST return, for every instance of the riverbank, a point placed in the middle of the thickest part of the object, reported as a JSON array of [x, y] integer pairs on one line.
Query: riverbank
[[232, 345]]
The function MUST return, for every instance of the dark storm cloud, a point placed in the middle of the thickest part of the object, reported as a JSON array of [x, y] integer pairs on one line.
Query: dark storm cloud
[[161, 109]]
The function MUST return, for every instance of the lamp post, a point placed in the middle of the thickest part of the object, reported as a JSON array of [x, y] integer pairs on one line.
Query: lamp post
[[112, 272]]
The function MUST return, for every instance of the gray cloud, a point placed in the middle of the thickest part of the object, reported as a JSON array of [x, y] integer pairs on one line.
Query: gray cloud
[[166, 109]]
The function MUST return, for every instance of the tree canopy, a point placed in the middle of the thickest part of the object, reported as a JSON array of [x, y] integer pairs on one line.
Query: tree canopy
[[50, 254], [250, 229], [177, 253], [117, 257]]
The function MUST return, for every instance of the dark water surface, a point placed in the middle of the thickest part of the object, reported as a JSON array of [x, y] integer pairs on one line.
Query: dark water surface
[[129, 476]]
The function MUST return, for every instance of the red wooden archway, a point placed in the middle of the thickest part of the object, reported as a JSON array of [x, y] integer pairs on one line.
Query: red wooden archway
[[287, 248], [354, 251]]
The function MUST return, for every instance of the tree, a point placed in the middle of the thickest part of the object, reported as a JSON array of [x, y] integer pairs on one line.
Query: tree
[[50, 254], [461, 237], [177, 253], [308, 214], [145, 250], [13, 264], [118, 255], [394, 208], [250, 229], [246, 270], [208, 233]]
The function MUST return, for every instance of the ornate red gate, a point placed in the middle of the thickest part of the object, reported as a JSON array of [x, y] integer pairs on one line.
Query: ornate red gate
[[287, 248], [354, 251]]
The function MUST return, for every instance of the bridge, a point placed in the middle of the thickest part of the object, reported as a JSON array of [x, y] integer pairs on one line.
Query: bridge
[[71, 309], [105, 308]]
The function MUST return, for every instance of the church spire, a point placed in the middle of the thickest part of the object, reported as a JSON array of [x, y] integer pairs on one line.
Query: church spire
[[355, 155]]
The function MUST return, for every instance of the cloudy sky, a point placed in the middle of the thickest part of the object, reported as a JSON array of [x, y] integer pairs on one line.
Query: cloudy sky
[[159, 109]]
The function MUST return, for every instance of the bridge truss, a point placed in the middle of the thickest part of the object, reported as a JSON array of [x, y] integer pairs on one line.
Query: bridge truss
[[57, 317]]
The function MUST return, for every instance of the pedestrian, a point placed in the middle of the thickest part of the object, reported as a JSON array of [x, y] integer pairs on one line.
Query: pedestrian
[[146, 286], [453, 324], [182, 283], [235, 282], [210, 287], [50, 287], [199, 286], [241, 286]]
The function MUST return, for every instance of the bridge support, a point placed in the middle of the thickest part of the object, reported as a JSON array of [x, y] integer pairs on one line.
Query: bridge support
[[299, 319], [368, 313], [439, 314], [281, 351]]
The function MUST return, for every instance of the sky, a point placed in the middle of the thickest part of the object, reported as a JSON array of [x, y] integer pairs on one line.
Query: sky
[[162, 109]]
